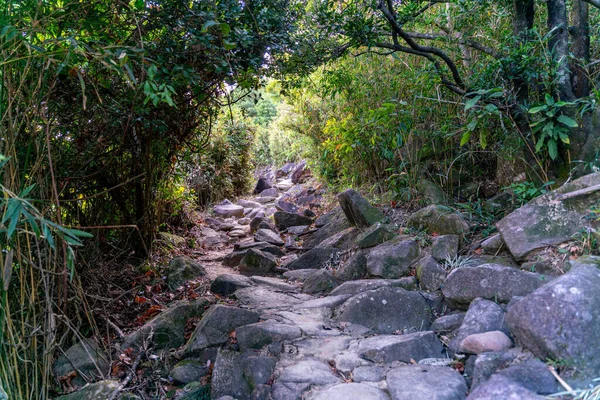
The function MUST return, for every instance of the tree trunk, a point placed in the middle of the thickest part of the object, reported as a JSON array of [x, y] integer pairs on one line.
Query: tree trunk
[[580, 38], [559, 47]]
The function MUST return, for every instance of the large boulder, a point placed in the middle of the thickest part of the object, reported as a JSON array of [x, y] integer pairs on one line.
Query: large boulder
[[181, 269], [439, 219], [413, 346], [358, 210], [257, 262], [561, 320], [353, 268], [430, 273], [392, 259], [227, 284], [321, 281], [229, 210], [347, 391], [489, 281], [98, 390], [284, 220], [216, 325], [501, 387], [167, 328], [426, 382], [298, 378], [548, 220], [228, 376], [482, 316], [257, 335], [362, 285], [444, 246], [85, 358], [261, 185], [336, 224], [268, 236], [315, 258], [387, 310], [374, 235]]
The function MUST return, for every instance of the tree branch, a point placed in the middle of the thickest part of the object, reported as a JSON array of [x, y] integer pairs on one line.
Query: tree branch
[[421, 50], [467, 42]]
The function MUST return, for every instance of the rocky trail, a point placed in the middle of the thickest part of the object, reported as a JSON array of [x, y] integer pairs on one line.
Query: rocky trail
[[356, 304]]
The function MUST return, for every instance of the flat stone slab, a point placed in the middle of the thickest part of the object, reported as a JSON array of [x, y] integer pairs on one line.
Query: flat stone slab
[[404, 348], [346, 391], [426, 382], [546, 220], [263, 298], [274, 283], [255, 336]]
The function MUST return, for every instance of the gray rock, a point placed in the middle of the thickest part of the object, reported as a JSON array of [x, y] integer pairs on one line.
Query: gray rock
[[263, 185], [439, 219], [431, 192], [482, 316], [500, 387], [248, 204], [369, 373], [227, 284], [299, 275], [261, 392], [299, 173], [315, 258], [533, 375], [187, 371], [274, 283], [392, 259], [216, 325], [374, 236], [268, 236], [345, 391], [326, 218], [444, 246], [297, 230], [287, 206], [262, 246], [360, 286], [86, 358], [181, 269], [430, 274], [546, 220], [173, 239], [343, 240], [426, 382], [300, 377], [325, 302], [284, 220], [337, 224], [98, 390], [353, 268], [489, 281], [492, 244], [486, 364], [321, 281], [272, 192], [560, 320], [261, 297], [384, 349], [448, 323], [358, 210], [387, 310], [482, 342], [260, 334], [260, 223], [257, 262], [3, 395], [228, 376], [229, 210], [265, 200], [258, 370], [167, 328]]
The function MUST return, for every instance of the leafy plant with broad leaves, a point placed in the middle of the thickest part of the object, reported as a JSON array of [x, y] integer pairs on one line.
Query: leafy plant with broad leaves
[[479, 113], [551, 124]]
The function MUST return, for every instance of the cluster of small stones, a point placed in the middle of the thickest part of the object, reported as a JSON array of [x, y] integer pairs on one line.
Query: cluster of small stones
[[345, 306]]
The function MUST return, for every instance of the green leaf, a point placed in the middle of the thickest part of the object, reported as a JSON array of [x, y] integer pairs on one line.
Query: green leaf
[[537, 109], [139, 4], [564, 137], [465, 138], [549, 99], [483, 140], [225, 29], [228, 45], [472, 102], [552, 148], [14, 219], [48, 236], [539, 144], [209, 24], [25, 192], [570, 122], [491, 109], [472, 125], [32, 222]]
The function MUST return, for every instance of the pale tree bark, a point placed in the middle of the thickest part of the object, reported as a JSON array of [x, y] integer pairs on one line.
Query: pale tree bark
[[580, 39], [559, 46]]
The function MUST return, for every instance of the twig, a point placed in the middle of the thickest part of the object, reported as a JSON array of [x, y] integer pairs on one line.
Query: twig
[[117, 330], [133, 369], [559, 379], [577, 193]]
